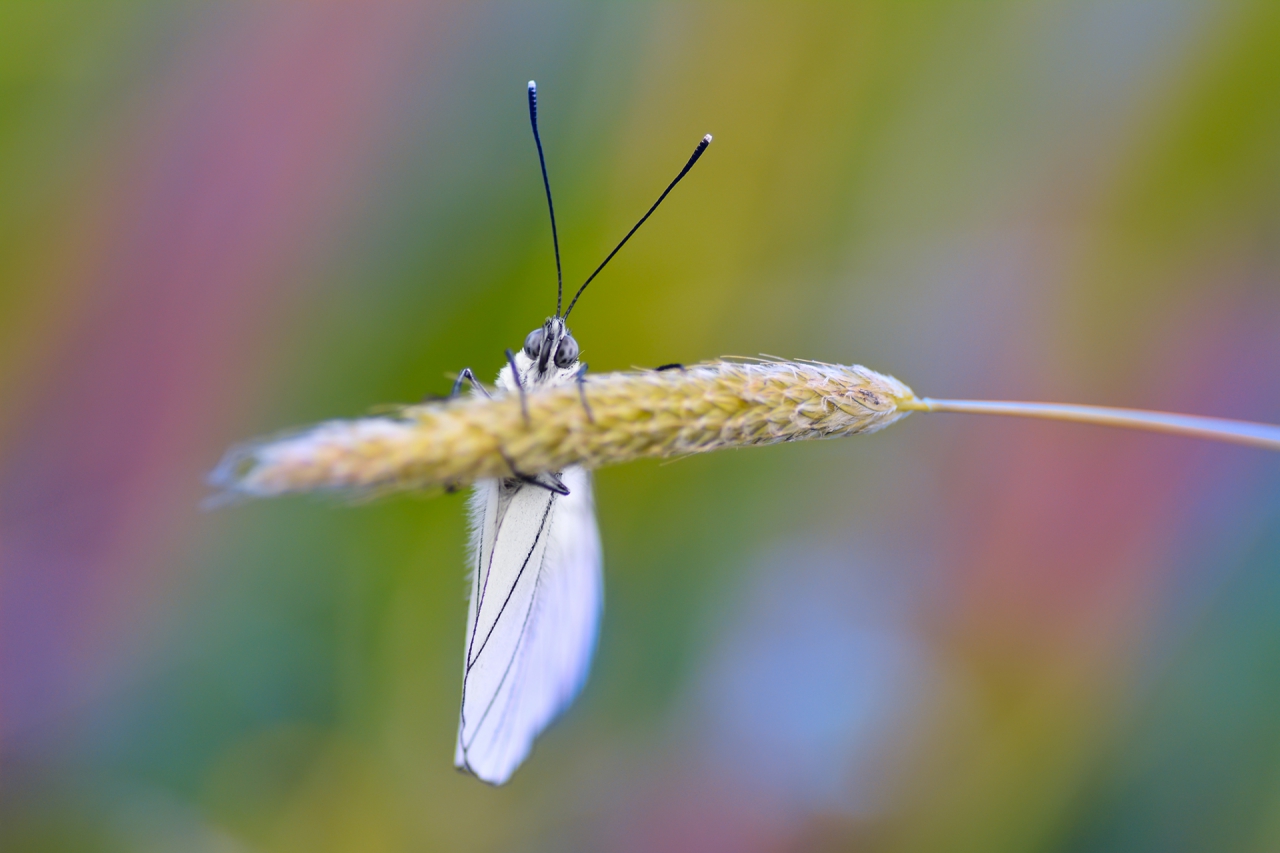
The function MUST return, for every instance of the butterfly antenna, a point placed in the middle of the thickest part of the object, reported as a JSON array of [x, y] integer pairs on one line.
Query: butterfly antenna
[[697, 152], [546, 184]]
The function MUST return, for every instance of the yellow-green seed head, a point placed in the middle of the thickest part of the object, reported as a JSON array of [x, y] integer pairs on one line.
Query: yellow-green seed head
[[611, 418]]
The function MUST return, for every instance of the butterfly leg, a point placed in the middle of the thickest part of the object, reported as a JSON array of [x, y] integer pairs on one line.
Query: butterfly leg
[[556, 485], [673, 366], [582, 390], [515, 377], [467, 376]]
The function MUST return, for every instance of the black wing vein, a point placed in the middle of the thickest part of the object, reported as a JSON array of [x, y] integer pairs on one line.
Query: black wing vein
[[542, 527]]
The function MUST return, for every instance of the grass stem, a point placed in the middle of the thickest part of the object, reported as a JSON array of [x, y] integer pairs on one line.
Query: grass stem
[[1219, 429]]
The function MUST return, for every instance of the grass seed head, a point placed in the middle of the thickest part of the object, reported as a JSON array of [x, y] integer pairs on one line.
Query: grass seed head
[[626, 416]]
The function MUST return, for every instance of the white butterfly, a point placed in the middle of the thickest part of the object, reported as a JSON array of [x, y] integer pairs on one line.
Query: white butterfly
[[537, 589]]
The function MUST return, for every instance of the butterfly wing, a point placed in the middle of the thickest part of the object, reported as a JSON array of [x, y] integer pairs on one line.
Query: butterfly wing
[[536, 598]]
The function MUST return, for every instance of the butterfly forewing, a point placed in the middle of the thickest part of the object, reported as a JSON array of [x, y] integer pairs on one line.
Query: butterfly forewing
[[535, 609], [511, 554]]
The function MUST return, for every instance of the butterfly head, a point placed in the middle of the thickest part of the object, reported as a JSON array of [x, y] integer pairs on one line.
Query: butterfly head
[[551, 347]]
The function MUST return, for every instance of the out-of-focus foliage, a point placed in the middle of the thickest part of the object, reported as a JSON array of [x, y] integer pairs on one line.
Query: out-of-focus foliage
[[217, 220]]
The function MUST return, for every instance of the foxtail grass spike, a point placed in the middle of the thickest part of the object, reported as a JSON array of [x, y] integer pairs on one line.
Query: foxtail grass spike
[[619, 417]]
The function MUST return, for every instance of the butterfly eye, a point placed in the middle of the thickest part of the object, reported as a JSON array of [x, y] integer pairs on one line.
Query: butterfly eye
[[533, 343], [567, 353]]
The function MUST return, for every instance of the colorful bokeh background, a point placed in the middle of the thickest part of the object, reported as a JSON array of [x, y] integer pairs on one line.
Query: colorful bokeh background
[[221, 219]]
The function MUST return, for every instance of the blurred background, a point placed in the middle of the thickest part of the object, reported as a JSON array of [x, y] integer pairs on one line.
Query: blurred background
[[221, 219]]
